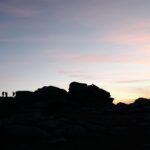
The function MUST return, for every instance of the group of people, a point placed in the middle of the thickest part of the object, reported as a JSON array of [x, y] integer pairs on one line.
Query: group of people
[[5, 94]]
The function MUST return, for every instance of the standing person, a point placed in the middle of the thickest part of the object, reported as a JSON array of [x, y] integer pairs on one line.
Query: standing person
[[3, 93], [6, 94], [14, 94]]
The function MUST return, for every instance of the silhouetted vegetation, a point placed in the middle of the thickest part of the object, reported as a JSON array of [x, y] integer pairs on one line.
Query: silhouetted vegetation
[[85, 117]]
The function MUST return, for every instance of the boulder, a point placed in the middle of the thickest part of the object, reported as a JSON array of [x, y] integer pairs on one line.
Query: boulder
[[50, 92], [51, 99], [99, 94], [24, 94], [76, 87], [83, 93], [24, 97], [141, 102]]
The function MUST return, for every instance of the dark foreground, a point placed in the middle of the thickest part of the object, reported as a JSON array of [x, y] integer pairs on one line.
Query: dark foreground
[[83, 118]]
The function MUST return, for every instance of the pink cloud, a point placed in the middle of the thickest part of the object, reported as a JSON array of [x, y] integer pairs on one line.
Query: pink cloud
[[133, 81], [100, 58], [127, 38], [80, 74], [74, 73], [128, 32], [136, 59], [69, 57], [145, 50]]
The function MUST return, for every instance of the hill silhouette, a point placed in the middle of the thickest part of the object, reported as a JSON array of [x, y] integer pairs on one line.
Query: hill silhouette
[[84, 117]]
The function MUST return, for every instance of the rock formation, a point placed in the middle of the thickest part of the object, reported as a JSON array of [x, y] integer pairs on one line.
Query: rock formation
[[84, 117], [83, 93]]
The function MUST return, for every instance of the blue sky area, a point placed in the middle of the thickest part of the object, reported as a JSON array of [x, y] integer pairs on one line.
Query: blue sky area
[[55, 42]]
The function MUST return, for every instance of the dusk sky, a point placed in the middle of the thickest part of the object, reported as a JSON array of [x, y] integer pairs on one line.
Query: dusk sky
[[55, 42]]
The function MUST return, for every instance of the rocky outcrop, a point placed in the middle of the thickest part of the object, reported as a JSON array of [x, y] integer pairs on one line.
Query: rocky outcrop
[[84, 117], [141, 102], [24, 96], [50, 93], [84, 93]]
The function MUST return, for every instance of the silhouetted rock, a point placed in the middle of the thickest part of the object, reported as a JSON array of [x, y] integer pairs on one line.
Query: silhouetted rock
[[99, 95], [83, 117], [141, 101], [24, 95], [83, 93], [24, 98], [50, 93], [76, 131], [50, 99], [77, 88], [120, 104], [24, 132]]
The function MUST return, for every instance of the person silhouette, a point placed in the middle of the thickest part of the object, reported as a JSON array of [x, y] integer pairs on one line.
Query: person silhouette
[[14, 94], [6, 94], [3, 93]]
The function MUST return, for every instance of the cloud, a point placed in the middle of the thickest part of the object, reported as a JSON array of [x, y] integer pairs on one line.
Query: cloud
[[126, 38], [133, 81], [97, 58], [110, 58], [141, 91], [145, 50], [128, 32], [76, 58], [75, 74]]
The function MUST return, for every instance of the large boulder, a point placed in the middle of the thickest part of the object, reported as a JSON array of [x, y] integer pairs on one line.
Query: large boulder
[[77, 87], [50, 93], [24, 94], [97, 93], [77, 90], [89, 94], [24, 97], [141, 102]]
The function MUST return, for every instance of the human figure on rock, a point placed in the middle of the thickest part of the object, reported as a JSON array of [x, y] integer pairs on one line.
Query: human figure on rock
[[6, 94], [3, 93], [14, 94]]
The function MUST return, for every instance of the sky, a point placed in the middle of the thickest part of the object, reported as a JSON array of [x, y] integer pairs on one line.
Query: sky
[[55, 42]]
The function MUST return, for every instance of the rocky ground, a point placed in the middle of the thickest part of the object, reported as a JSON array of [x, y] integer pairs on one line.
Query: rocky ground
[[84, 117]]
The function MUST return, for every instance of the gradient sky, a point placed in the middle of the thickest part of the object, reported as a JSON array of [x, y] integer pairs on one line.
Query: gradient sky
[[55, 42]]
